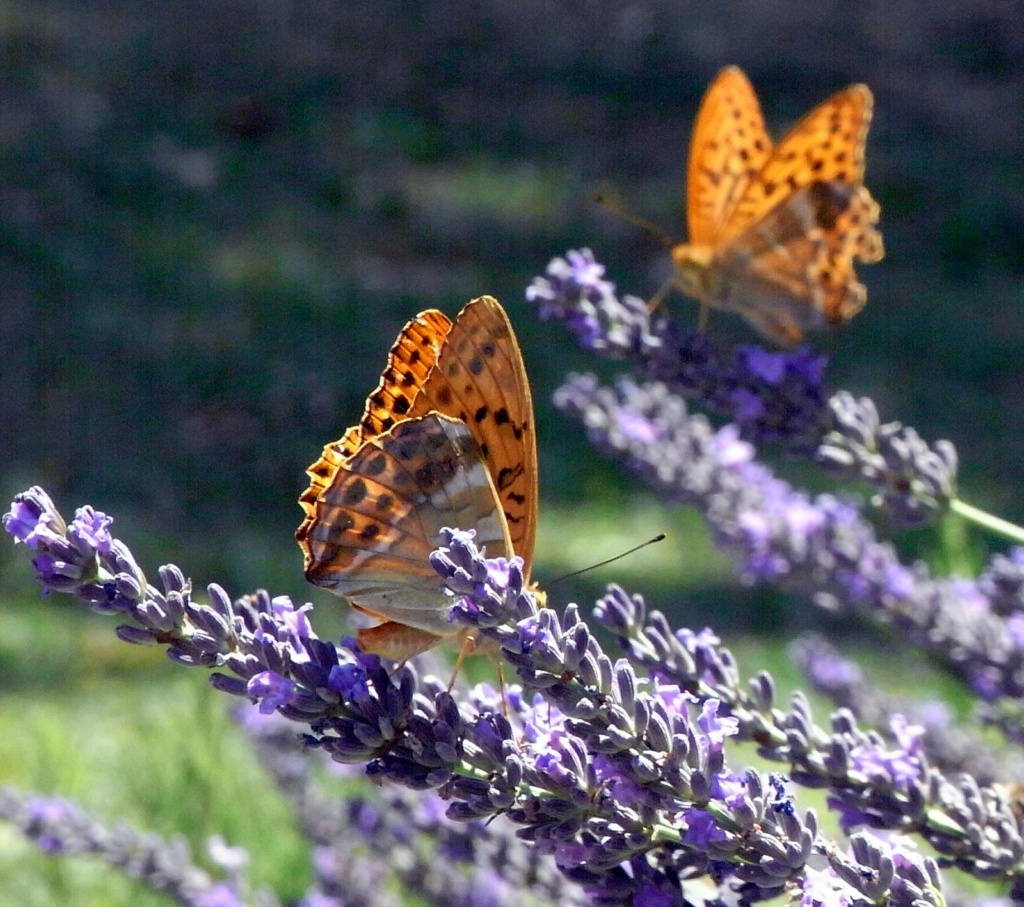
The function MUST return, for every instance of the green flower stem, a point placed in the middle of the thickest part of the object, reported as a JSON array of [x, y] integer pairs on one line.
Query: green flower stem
[[994, 523]]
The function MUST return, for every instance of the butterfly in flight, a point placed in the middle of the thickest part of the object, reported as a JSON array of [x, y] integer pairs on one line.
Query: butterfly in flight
[[774, 231], [446, 440]]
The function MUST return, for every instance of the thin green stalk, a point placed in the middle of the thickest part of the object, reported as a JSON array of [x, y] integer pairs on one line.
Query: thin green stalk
[[988, 521]]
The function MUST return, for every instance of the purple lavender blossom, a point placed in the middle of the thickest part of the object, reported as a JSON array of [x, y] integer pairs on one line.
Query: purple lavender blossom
[[1002, 583], [621, 778], [948, 746], [272, 691], [884, 786], [914, 481], [369, 838], [575, 291], [602, 763], [870, 780]]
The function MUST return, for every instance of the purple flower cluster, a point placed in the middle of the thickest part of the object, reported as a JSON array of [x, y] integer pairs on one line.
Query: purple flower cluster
[[400, 835], [615, 770], [819, 546], [913, 481], [950, 747], [658, 748], [769, 395]]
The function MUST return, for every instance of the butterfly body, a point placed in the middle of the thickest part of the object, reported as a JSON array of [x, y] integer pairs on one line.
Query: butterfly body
[[775, 230], [446, 439]]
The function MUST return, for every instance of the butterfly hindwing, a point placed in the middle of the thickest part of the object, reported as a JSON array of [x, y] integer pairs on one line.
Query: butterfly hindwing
[[792, 271], [380, 518]]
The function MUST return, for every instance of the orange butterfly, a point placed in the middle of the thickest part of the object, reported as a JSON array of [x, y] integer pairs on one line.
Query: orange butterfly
[[446, 439], [774, 231]]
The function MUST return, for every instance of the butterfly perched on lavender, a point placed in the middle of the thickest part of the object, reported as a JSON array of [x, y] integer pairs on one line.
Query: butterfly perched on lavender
[[446, 440]]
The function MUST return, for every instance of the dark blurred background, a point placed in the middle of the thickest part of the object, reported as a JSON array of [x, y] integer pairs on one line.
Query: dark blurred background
[[215, 217]]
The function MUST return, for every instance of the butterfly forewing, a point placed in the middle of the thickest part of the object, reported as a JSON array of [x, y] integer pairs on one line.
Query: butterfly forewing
[[480, 379], [412, 356], [730, 145]]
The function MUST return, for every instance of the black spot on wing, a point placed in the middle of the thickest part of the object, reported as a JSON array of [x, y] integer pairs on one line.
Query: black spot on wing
[[355, 492], [830, 199]]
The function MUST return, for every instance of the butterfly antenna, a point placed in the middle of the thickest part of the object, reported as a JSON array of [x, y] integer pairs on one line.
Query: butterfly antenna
[[635, 219], [660, 537]]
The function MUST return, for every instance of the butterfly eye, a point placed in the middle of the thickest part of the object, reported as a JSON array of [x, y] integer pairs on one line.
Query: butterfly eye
[[693, 267]]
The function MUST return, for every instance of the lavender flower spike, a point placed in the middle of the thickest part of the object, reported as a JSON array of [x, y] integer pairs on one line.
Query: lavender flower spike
[[874, 870], [914, 481], [603, 750], [819, 546], [883, 781], [402, 833], [265, 647], [623, 779], [575, 291], [81, 558], [949, 747]]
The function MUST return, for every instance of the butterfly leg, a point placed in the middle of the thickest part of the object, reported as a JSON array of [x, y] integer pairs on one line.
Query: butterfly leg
[[702, 317], [467, 648], [659, 297], [501, 684]]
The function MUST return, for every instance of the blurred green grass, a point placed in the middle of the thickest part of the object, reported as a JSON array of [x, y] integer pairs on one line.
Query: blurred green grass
[[130, 738]]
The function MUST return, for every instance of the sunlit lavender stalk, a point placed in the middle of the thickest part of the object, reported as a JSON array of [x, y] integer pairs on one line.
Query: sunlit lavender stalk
[[621, 780], [950, 747], [819, 546]]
